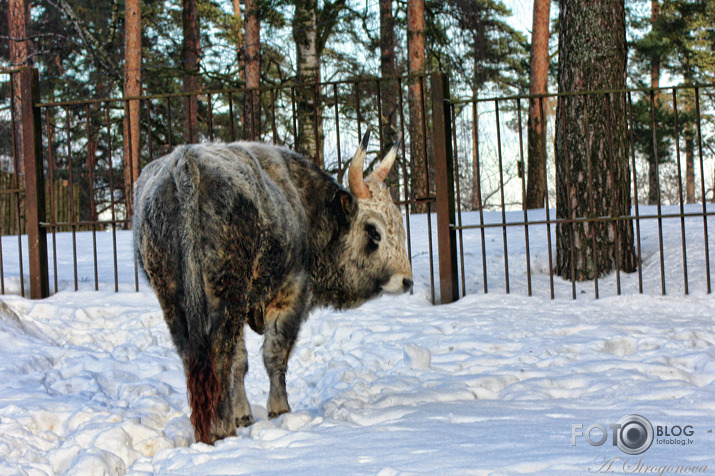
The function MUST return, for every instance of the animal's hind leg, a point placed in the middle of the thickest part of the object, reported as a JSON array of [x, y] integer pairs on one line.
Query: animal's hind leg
[[284, 316], [241, 407], [224, 343]]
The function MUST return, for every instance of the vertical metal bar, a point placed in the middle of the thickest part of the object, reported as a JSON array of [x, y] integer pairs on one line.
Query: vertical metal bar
[[458, 200], [130, 200], [379, 118], [319, 159], [523, 194], [680, 188], [130, 186], [591, 204], [475, 134], [501, 194], [635, 193], [357, 110], [111, 196], [405, 176], [429, 198], [168, 113], [71, 197], [34, 183], [257, 116], [252, 111], [188, 120], [548, 213], [232, 126], [51, 170], [444, 178], [569, 223], [16, 194], [337, 133], [211, 117], [2, 265], [150, 128], [295, 125], [657, 180], [90, 179], [614, 206], [274, 129], [702, 185]]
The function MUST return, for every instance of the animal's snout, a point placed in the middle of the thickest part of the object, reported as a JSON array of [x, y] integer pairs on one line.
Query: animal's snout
[[407, 284]]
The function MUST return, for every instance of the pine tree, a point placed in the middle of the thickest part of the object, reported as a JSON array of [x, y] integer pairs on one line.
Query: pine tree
[[592, 171], [253, 69], [191, 53], [389, 90], [132, 88], [536, 132], [415, 95]]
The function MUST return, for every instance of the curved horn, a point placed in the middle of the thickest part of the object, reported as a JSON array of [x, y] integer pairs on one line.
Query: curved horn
[[380, 173], [355, 177]]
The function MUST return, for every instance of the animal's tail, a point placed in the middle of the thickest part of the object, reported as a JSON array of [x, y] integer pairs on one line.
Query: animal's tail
[[203, 384], [204, 389]]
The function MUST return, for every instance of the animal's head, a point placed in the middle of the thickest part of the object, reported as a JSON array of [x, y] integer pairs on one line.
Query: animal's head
[[374, 254]]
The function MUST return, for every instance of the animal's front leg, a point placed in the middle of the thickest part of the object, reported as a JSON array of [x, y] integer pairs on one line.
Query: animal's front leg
[[284, 316]]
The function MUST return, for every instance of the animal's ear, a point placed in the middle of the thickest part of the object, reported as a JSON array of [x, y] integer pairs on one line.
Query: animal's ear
[[344, 207]]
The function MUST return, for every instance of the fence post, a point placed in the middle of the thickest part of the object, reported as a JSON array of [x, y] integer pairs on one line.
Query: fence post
[[444, 183], [31, 149]]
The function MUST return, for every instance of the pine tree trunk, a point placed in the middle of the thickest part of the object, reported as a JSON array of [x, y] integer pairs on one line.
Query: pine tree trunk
[[132, 88], [191, 69], [592, 172], [389, 91], [536, 184], [305, 35], [689, 163], [253, 69], [415, 92], [18, 16]]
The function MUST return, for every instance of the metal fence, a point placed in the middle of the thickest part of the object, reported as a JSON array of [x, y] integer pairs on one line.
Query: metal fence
[[672, 209], [87, 145], [476, 148]]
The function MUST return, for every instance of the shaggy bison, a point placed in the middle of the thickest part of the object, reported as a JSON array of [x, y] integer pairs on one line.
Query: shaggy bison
[[248, 233]]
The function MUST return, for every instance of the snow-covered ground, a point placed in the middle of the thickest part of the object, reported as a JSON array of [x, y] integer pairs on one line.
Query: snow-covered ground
[[492, 384]]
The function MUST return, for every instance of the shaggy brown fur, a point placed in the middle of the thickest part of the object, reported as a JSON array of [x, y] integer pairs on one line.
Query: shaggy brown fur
[[246, 233]]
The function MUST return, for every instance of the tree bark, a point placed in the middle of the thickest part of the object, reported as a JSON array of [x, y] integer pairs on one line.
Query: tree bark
[[253, 69], [389, 91], [689, 163], [132, 88], [305, 35], [415, 92], [536, 183], [18, 16], [592, 171], [191, 52]]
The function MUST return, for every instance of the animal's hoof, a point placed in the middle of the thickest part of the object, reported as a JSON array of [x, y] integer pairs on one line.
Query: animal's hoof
[[244, 421], [274, 414], [220, 435]]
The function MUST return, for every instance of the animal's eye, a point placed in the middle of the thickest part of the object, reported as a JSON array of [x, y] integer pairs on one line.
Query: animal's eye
[[372, 232]]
